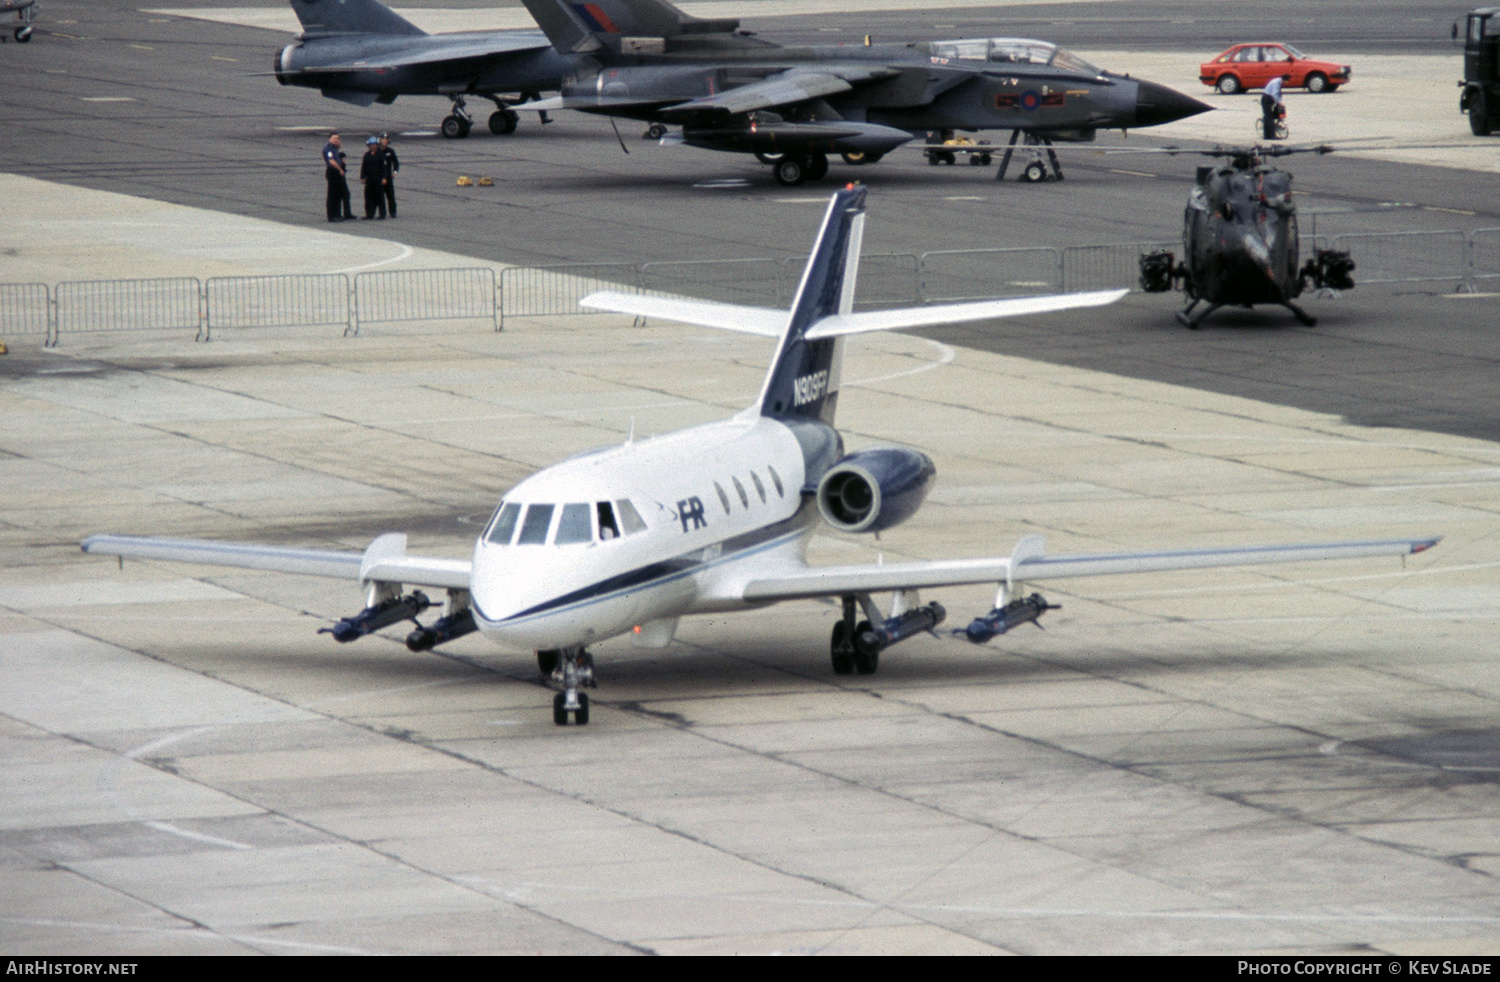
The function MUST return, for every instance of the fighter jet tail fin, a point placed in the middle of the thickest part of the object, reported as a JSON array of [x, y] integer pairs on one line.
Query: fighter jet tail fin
[[588, 25], [324, 17]]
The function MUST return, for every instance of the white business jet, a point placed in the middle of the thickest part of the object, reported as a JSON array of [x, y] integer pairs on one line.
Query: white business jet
[[627, 539]]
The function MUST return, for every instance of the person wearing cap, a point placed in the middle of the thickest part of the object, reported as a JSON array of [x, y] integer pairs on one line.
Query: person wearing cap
[[369, 176], [388, 167], [338, 185]]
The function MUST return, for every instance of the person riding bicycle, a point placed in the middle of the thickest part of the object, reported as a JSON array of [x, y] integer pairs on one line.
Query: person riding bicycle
[[1270, 105]]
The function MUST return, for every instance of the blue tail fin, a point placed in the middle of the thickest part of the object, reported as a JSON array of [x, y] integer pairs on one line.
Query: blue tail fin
[[804, 378], [321, 17]]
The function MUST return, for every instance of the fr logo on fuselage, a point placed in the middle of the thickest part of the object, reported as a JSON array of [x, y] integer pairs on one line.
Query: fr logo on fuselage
[[691, 510]]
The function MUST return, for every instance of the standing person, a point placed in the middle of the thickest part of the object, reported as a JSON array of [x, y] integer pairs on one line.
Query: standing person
[[369, 176], [389, 164], [1270, 99], [338, 186]]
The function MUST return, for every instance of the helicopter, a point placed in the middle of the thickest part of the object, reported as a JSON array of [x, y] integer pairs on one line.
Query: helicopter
[[1239, 240]]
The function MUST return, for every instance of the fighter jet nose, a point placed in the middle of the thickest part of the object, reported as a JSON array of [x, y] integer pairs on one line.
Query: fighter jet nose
[[1156, 104]]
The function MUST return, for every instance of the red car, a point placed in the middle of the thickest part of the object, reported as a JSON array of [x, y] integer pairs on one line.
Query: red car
[[1251, 66]]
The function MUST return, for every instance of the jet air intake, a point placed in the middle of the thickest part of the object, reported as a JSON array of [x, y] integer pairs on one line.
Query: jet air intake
[[874, 489]]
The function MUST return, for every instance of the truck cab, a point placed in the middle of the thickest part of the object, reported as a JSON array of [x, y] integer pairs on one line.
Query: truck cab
[[1481, 83]]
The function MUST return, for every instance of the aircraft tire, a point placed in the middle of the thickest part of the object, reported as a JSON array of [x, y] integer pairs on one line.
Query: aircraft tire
[[866, 656], [1317, 82], [768, 158], [1227, 84], [817, 167], [859, 157], [790, 171], [581, 714], [655, 131], [1034, 173], [503, 122], [559, 714], [843, 658], [23, 34], [454, 128]]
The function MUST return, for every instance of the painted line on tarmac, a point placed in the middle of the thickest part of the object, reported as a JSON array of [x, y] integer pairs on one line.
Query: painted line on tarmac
[[405, 253]]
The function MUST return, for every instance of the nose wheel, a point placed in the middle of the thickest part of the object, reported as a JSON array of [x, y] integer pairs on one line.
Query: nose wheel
[[571, 669], [457, 125]]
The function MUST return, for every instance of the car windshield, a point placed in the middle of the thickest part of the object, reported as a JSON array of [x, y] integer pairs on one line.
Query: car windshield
[[1012, 51], [1294, 52]]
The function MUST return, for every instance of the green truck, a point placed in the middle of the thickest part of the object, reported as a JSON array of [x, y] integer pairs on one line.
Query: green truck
[[1481, 82]]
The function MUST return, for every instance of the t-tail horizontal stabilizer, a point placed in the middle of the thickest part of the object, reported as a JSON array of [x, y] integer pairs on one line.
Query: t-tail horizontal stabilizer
[[803, 378]]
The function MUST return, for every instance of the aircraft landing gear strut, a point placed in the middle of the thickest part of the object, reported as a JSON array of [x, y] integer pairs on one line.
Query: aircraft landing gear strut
[[572, 669], [856, 645], [457, 125], [1037, 169]]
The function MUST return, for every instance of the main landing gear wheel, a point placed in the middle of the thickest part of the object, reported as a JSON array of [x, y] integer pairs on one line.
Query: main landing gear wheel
[[842, 649], [560, 710], [23, 34], [817, 167], [503, 122], [790, 171], [1228, 84], [455, 127], [1035, 172], [866, 650], [654, 132]]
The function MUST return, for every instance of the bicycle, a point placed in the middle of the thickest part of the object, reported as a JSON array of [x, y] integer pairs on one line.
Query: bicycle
[[1278, 125]]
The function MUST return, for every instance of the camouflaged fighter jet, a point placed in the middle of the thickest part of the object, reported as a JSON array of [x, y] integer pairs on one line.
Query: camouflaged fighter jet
[[360, 51], [25, 11], [791, 106]]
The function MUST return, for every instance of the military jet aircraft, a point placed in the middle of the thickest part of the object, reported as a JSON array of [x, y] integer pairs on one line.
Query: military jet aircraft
[[25, 11], [360, 51], [792, 106], [625, 540]]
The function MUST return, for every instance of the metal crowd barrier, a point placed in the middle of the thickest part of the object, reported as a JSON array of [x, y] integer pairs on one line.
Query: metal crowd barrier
[[1407, 257], [236, 302], [275, 301], [953, 275], [128, 305], [754, 282], [551, 291], [425, 294], [25, 309]]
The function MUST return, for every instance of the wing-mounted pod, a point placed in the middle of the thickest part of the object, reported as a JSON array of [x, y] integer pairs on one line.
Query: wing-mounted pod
[[875, 489]]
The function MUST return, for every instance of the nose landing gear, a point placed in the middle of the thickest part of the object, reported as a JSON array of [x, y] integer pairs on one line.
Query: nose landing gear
[[572, 669]]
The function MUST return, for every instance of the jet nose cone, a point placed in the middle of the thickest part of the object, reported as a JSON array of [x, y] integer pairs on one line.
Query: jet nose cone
[[1156, 104]]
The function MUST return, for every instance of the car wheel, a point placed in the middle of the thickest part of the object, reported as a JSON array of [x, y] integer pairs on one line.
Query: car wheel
[[1228, 84], [1317, 82], [1479, 118]]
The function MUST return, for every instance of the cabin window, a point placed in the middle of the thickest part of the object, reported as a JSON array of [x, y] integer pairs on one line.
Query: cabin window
[[503, 526], [607, 527], [744, 498], [723, 498], [776, 480], [760, 488], [534, 525], [629, 517], [576, 525]]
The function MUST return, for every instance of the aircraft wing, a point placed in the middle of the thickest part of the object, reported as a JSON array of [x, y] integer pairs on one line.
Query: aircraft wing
[[705, 313], [385, 561], [435, 49], [777, 90], [1028, 563], [956, 313]]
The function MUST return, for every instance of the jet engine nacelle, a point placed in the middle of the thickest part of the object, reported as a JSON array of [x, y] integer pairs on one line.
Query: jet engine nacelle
[[874, 489]]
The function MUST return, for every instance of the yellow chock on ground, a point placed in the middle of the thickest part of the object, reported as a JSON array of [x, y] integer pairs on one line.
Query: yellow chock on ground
[[486, 182], [3, 349], [464, 182]]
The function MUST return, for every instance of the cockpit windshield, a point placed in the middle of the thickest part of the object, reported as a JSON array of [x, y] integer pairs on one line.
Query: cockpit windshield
[[1012, 51], [576, 522]]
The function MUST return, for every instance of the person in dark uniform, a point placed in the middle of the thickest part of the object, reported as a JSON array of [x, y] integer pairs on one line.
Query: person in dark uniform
[[389, 165], [338, 185], [370, 176]]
